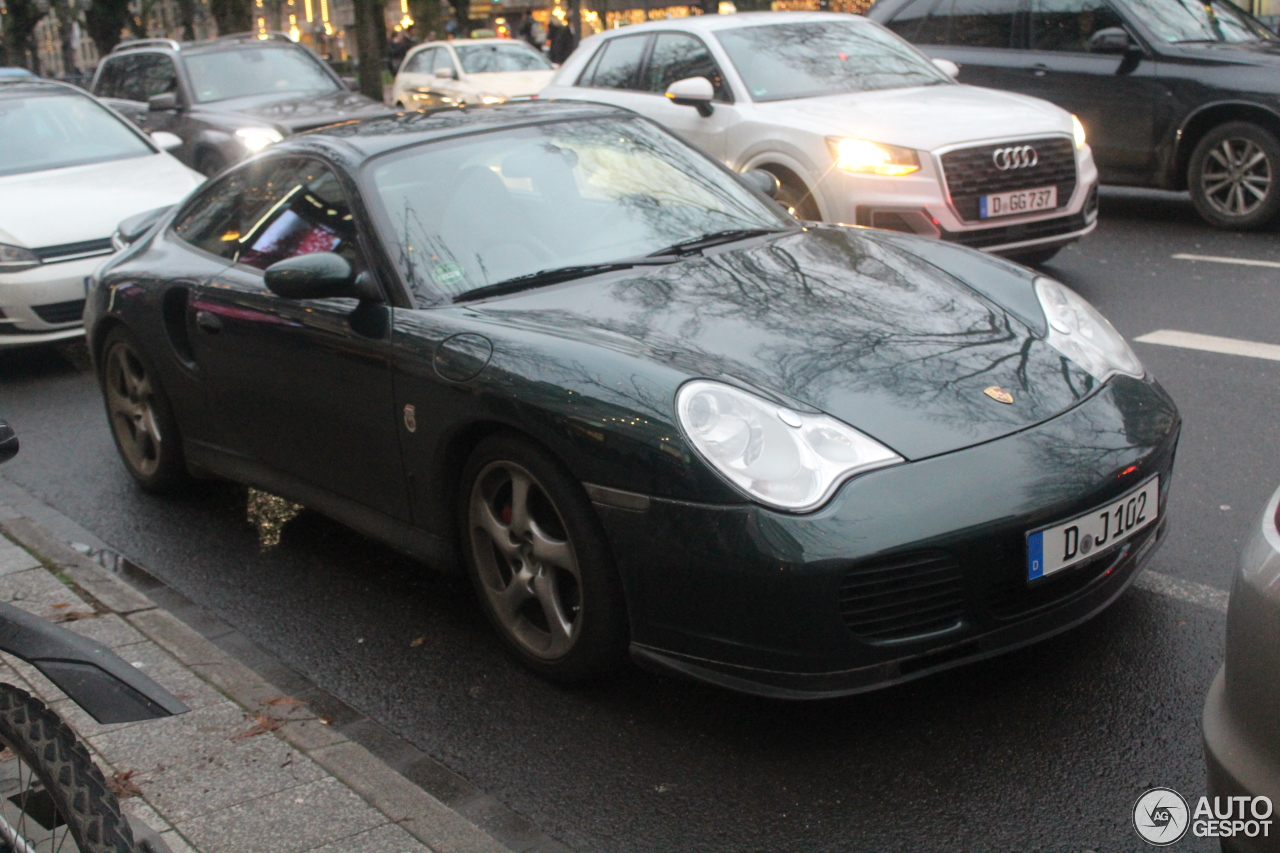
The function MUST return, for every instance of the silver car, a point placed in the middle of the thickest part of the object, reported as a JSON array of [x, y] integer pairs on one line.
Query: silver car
[[1242, 711]]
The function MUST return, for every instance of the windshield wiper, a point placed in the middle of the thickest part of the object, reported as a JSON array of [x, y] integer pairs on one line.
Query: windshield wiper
[[555, 275], [715, 238]]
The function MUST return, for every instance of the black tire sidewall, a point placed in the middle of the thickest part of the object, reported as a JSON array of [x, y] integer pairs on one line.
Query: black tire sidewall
[[171, 471], [792, 193], [1263, 138], [602, 644]]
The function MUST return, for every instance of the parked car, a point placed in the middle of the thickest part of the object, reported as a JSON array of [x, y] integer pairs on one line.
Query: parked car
[[1242, 711], [477, 71], [858, 126], [229, 97], [1178, 96], [70, 170], [648, 409], [16, 74]]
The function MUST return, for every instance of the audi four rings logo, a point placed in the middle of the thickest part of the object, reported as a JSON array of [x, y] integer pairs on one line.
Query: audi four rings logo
[[1015, 157]]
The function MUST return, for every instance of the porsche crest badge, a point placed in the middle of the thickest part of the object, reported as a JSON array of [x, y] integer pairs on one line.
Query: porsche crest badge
[[411, 422], [995, 392]]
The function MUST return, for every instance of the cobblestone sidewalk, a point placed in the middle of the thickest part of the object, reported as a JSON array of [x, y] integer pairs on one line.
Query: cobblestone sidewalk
[[249, 769]]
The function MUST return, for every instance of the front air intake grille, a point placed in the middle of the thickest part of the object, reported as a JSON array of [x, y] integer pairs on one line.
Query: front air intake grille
[[972, 172], [1039, 229], [60, 312], [905, 597]]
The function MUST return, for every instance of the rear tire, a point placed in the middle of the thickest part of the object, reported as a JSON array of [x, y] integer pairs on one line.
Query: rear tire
[[539, 561], [141, 417], [1234, 176], [65, 778]]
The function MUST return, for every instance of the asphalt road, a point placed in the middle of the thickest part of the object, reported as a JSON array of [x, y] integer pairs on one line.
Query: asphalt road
[[1043, 749]]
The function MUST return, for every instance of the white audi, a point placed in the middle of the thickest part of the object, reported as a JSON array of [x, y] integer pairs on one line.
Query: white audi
[[856, 124], [70, 171]]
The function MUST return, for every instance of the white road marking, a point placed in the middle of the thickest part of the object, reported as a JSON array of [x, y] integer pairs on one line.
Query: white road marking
[[1211, 343], [1219, 259], [1189, 591]]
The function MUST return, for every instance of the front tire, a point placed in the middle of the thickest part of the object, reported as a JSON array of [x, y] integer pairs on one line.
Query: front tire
[[142, 421], [1234, 176], [540, 563], [794, 195]]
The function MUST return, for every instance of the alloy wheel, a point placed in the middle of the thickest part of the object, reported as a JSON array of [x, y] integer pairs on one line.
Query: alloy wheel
[[131, 408], [1236, 177], [527, 565]]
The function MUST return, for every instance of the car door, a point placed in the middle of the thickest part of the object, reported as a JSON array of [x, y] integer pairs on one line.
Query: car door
[[415, 81], [612, 76], [677, 56], [984, 37], [301, 387], [1121, 100], [133, 79]]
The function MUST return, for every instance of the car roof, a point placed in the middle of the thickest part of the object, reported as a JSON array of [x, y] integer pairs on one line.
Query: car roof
[[25, 87], [463, 42], [374, 136], [710, 23], [236, 41]]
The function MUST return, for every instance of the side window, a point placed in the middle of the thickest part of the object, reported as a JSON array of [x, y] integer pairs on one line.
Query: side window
[[420, 62], [618, 65], [910, 18], [148, 74], [269, 211], [677, 56], [1067, 25], [124, 79], [983, 23], [443, 59], [109, 79]]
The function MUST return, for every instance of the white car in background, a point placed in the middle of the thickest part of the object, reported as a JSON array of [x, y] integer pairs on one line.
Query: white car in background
[[857, 125], [469, 71], [70, 171]]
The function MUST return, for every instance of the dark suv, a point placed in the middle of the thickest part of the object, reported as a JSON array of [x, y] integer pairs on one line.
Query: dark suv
[[226, 98], [1174, 94]]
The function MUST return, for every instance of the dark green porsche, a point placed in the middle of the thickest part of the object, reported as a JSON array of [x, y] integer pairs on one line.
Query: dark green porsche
[[649, 412]]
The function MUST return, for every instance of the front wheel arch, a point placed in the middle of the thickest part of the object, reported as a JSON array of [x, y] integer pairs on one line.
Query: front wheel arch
[[807, 207]]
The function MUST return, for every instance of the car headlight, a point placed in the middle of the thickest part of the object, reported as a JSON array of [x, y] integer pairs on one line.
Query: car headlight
[[875, 158], [257, 138], [17, 259], [1079, 332], [1077, 132], [782, 458], [492, 99]]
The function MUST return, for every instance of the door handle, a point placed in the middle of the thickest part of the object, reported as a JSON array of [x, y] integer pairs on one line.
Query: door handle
[[209, 322], [1039, 69]]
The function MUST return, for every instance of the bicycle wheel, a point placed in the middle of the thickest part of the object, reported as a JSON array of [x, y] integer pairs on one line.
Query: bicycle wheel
[[53, 798]]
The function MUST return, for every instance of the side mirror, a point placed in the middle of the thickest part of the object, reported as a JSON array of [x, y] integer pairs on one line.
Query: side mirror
[[947, 67], [319, 275], [162, 103], [693, 92], [131, 230], [445, 74], [1111, 40], [8, 442], [167, 141], [764, 181]]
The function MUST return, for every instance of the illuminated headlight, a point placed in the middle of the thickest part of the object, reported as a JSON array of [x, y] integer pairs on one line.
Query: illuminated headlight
[[875, 158], [1079, 332], [1077, 132], [782, 458], [17, 259], [257, 138], [492, 99]]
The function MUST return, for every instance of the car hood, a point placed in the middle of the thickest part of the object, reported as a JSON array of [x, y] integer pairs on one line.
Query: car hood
[[81, 203], [924, 117], [297, 112], [513, 84], [827, 319]]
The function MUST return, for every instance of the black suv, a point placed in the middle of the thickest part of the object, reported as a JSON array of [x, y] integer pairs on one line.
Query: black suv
[[226, 98], [1174, 94]]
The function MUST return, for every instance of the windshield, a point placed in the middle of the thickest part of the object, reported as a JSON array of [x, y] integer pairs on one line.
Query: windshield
[[487, 58], [467, 213], [783, 61], [256, 71], [1199, 21], [58, 130]]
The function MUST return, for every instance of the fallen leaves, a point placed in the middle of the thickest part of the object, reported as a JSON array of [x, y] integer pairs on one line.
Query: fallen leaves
[[263, 725], [123, 786], [283, 701], [417, 641]]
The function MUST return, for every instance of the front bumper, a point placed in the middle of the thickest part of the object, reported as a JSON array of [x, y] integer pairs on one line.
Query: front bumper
[[759, 601], [45, 303]]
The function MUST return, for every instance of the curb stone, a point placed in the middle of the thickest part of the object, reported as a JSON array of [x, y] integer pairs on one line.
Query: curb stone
[[400, 782]]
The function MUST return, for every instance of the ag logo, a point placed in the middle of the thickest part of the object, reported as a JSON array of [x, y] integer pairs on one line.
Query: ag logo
[[1161, 817]]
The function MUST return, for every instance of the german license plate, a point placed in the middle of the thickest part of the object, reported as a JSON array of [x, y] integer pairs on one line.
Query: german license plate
[[1056, 548], [1019, 201]]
